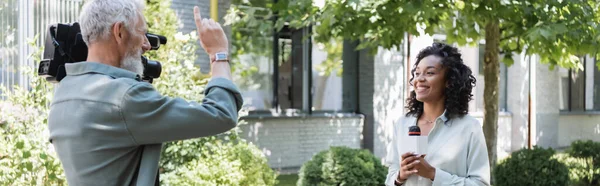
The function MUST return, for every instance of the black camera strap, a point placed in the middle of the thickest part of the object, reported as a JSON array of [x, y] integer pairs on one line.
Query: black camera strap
[[147, 166]]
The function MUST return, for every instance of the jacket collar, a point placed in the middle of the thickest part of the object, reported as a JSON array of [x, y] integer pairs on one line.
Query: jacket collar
[[99, 68]]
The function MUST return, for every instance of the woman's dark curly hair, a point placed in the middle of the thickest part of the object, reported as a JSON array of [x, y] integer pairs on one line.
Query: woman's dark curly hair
[[459, 82]]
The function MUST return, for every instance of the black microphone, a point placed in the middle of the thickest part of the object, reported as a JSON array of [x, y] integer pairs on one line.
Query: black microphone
[[414, 131]]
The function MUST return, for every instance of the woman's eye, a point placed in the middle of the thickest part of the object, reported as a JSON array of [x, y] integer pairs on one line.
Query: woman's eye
[[417, 74], [430, 73]]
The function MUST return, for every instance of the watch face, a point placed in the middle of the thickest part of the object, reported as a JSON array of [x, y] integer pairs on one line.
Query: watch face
[[220, 56]]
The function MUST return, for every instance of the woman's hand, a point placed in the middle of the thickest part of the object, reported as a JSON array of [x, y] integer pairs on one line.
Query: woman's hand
[[423, 168], [407, 166], [415, 164]]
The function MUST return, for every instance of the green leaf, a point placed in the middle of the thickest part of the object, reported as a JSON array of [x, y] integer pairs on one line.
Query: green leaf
[[26, 154], [508, 60], [545, 33], [459, 4], [43, 156], [29, 166], [512, 45], [20, 145], [559, 28]]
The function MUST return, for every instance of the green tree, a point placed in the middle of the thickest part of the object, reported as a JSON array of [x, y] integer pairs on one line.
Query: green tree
[[557, 30]]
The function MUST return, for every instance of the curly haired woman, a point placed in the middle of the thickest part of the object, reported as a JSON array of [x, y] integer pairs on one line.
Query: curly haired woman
[[439, 105]]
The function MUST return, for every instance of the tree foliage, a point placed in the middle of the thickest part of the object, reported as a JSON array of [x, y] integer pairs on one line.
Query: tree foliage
[[252, 24], [558, 31]]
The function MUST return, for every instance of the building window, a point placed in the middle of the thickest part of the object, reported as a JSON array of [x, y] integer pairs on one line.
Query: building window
[[253, 75], [580, 89], [309, 73], [286, 71]]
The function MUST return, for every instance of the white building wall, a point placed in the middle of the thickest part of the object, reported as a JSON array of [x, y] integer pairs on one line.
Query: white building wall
[[578, 126]]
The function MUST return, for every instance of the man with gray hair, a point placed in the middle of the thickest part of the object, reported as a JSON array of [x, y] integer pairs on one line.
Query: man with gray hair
[[106, 125]]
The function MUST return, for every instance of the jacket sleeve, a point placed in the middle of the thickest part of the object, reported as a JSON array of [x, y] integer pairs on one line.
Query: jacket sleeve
[[152, 118], [392, 159], [478, 173]]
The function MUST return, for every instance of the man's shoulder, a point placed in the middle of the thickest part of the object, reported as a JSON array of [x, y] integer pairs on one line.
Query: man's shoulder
[[95, 81], [93, 87]]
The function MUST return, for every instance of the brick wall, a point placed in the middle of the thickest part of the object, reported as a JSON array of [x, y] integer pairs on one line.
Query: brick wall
[[288, 142]]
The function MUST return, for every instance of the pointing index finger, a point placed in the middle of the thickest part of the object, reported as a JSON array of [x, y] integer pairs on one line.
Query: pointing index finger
[[197, 17]]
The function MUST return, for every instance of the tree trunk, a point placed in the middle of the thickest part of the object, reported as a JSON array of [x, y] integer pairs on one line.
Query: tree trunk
[[490, 91]]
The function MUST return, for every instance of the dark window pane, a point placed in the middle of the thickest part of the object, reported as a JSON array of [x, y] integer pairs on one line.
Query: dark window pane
[[284, 92], [297, 69], [564, 92], [577, 97], [596, 88]]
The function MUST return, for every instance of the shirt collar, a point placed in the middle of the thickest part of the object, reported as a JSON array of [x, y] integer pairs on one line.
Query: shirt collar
[[94, 67], [444, 118]]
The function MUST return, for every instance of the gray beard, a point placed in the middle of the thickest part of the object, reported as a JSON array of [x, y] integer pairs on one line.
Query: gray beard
[[133, 63]]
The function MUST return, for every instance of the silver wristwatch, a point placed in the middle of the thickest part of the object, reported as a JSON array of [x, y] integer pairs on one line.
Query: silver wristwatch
[[221, 57]]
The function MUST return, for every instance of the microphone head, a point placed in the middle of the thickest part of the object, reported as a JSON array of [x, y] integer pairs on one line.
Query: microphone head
[[414, 131]]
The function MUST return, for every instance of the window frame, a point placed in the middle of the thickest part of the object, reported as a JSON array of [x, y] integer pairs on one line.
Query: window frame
[[588, 107], [307, 90]]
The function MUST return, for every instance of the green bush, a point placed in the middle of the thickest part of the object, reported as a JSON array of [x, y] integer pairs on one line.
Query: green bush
[[531, 167], [26, 156], [343, 166], [584, 163], [226, 164]]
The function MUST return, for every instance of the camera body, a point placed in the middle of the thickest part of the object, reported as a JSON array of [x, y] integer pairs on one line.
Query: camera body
[[64, 44]]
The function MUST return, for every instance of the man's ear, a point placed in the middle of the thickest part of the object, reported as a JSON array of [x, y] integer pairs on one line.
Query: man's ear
[[117, 32]]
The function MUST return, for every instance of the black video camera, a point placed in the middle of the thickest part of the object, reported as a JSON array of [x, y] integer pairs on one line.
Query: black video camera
[[64, 44]]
